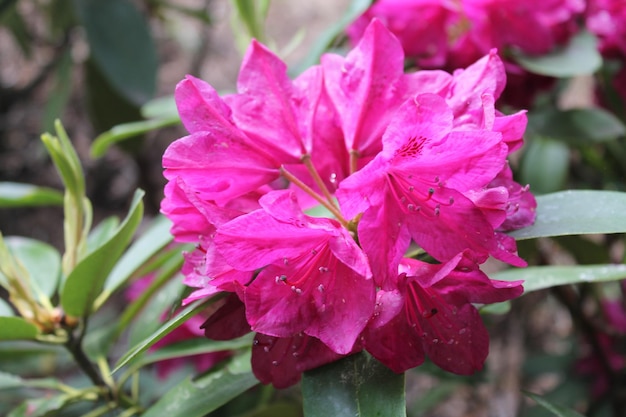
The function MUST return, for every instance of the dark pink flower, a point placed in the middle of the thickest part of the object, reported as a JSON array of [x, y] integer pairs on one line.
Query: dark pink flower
[[315, 279], [437, 317]]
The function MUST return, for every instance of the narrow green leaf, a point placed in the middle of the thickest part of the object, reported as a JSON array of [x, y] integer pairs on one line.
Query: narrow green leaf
[[85, 282], [8, 381], [60, 94], [196, 346], [13, 194], [127, 131], [160, 108], [198, 397], [577, 212], [325, 40], [39, 407], [121, 45], [100, 234], [579, 127], [545, 165], [147, 245], [356, 386], [42, 261], [579, 57], [163, 331], [556, 409], [541, 277], [16, 328]]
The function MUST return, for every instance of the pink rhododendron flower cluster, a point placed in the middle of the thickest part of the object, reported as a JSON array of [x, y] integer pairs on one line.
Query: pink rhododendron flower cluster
[[304, 197], [454, 33]]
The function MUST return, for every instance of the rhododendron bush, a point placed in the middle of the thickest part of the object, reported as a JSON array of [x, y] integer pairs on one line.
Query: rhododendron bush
[[333, 231]]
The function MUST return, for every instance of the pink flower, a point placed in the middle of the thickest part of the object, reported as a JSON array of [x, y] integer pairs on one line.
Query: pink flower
[[415, 188], [316, 279], [437, 317], [391, 158]]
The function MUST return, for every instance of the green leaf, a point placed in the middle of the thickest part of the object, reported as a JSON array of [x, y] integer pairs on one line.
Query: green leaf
[[8, 381], [196, 346], [100, 234], [147, 245], [16, 328], [162, 331], [121, 46], [356, 386], [15, 23], [545, 165], [579, 57], [577, 212], [85, 282], [325, 40], [42, 261], [127, 131], [60, 94], [541, 277], [160, 108], [39, 407], [579, 127], [556, 409], [198, 397], [13, 194]]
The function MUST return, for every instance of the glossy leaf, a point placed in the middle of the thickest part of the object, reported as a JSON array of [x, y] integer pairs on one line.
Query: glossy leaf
[[198, 397], [121, 45], [196, 346], [577, 212], [579, 57], [162, 331], [16, 328], [13, 194], [85, 282], [126, 131], [100, 234], [545, 165], [42, 261], [160, 108], [356, 386], [8, 381], [541, 277], [154, 239], [325, 40], [578, 127], [556, 409], [39, 407]]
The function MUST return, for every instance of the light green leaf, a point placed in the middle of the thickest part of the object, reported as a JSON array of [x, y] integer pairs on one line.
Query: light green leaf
[[127, 131], [197, 398], [85, 282], [39, 407], [325, 40], [42, 261], [147, 245], [579, 127], [8, 381], [196, 346], [545, 165], [102, 233], [121, 45], [556, 409], [160, 108], [541, 277], [13, 194], [356, 386], [16, 328], [577, 212], [579, 57], [163, 331]]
